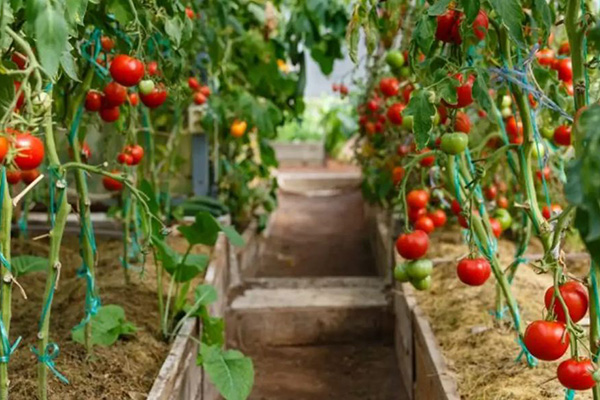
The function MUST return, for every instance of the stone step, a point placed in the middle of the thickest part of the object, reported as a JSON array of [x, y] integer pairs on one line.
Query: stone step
[[309, 311], [318, 183]]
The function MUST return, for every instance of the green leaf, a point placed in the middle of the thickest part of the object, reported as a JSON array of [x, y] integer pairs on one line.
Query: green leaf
[[121, 10], [481, 93], [51, 37], [423, 112], [68, 65], [424, 33], [173, 28], [22, 265], [175, 265], [7, 92], [542, 14], [471, 9], [213, 329], [234, 237], [205, 294], [107, 326], [511, 13], [76, 11], [229, 370], [439, 7], [205, 230], [447, 89]]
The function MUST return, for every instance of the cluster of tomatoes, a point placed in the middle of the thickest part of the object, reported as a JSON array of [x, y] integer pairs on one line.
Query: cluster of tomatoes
[[341, 88], [561, 64], [201, 92], [27, 152], [131, 155], [449, 26], [126, 72]]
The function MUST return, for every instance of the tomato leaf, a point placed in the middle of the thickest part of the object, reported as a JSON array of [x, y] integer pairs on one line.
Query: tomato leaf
[[471, 9], [76, 11], [173, 28], [7, 92], [438, 8], [68, 65], [51, 37], [511, 13], [422, 111], [480, 91], [424, 33], [121, 10], [542, 14]]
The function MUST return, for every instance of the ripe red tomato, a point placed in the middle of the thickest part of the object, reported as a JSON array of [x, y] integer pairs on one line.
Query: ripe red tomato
[[546, 340], [193, 83], [417, 199], [199, 98], [463, 222], [110, 114], [502, 202], [335, 87], [576, 374], [13, 176], [562, 135], [576, 298], [155, 98], [137, 153], [114, 95], [30, 151], [126, 70], [389, 87], [427, 161], [397, 175], [344, 90], [464, 92], [545, 57], [21, 99], [473, 272], [545, 173], [205, 90], [514, 130], [455, 207], [93, 101], [4, 145], [107, 43], [490, 192], [19, 59], [496, 227], [448, 27], [379, 128], [29, 176], [481, 25], [134, 99], [373, 105], [425, 224], [190, 13], [407, 92], [438, 217], [152, 68], [565, 69], [370, 128], [462, 123], [394, 113], [554, 210], [111, 184], [124, 158], [415, 213], [564, 49], [412, 246]]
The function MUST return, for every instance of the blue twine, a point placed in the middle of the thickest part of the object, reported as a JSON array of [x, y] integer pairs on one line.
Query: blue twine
[[498, 314], [569, 394], [531, 360], [7, 349], [51, 351], [596, 299], [92, 302], [75, 126], [95, 40]]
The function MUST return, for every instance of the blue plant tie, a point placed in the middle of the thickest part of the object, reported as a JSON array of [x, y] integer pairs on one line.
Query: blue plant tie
[[50, 353], [498, 314], [7, 349], [3, 259], [569, 394], [531, 360], [596, 299], [75, 126], [92, 302], [95, 41]]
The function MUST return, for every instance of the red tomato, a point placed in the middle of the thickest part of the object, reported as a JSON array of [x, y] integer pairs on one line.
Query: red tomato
[[438, 217], [427, 161], [412, 246], [93, 101], [13, 176], [502, 202], [462, 123], [473, 272], [545, 57], [544, 173], [373, 105], [564, 49], [568, 86], [417, 199], [137, 153], [107, 43], [114, 95], [370, 128], [448, 27], [576, 298], [190, 13], [111, 184], [562, 135], [389, 87], [4, 145], [344, 90], [415, 213], [21, 99], [19, 59], [481, 25], [124, 158], [110, 114], [425, 224], [554, 210], [532, 101], [443, 113], [126, 70], [403, 150], [30, 151], [565, 69], [134, 99], [464, 92], [205, 90], [514, 130], [155, 98], [455, 207], [546, 340], [193, 83], [490, 192], [152, 68], [397, 175], [199, 98], [29, 176], [463, 222], [335, 87], [576, 374], [394, 113], [406, 93], [496, 227]]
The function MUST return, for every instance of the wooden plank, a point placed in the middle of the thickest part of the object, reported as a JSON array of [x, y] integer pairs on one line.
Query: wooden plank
[[404, 302]]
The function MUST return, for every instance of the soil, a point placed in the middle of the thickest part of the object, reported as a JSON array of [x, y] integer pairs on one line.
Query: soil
[[318, 236], [125, 370], [478, 349]]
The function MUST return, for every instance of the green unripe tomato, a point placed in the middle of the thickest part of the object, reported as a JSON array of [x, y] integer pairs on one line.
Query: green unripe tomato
[[407, 122], [395, 59], [146, 86], [503, 216], [436, 118], [454, 143], [405, 72], [506, 101], [419, 269], [432, 97], [538, 150], [506, 112], [547, 132], [422, 284], [400, 273]]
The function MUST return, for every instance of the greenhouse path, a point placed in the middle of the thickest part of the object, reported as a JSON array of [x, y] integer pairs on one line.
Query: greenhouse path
[[316, 320]]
